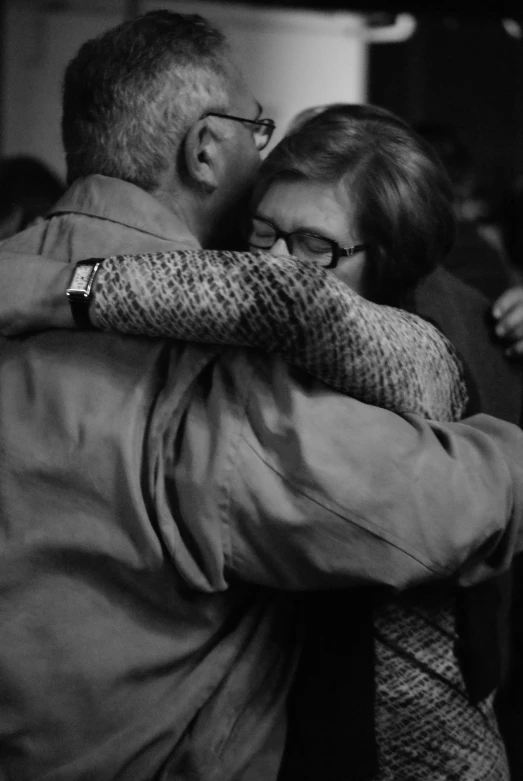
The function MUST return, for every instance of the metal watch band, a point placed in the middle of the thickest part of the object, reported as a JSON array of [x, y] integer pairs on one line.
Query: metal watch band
[[79, 292]]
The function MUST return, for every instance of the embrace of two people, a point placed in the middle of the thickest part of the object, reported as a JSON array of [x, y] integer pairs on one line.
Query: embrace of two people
[[253, 523]]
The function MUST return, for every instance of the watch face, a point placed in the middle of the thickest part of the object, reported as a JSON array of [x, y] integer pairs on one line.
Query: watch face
[[82, 278]]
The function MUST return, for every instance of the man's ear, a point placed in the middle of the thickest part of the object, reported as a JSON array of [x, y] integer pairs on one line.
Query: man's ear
[[203, 154]]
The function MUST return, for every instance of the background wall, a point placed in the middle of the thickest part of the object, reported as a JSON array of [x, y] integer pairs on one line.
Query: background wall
[[38, 40], [292, 60]]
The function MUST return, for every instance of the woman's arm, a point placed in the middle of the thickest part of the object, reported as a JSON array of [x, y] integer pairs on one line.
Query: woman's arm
[[381, 355]]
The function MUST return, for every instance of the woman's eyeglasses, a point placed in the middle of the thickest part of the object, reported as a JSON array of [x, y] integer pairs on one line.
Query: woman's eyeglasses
[[262, 129], [310, 246]]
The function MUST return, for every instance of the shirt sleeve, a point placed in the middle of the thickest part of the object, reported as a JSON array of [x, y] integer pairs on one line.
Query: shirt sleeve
[[278, 481]]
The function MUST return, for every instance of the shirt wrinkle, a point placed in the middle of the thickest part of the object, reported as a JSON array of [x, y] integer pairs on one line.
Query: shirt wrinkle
[[349, 515], [233, 455]]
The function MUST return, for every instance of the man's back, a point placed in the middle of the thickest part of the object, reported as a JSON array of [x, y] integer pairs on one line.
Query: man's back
[[114, 662]]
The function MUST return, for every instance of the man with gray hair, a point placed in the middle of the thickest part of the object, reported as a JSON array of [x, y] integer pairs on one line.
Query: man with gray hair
[[161, 501], [131, 96]]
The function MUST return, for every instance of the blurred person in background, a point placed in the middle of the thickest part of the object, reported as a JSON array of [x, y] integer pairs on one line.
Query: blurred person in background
[[483, 258], [508, 309], [28, 189], [479, 256], [438, 650], [510, 220], [507, 314]]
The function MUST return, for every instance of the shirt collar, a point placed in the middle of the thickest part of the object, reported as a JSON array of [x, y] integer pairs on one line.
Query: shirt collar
[[124, 203]]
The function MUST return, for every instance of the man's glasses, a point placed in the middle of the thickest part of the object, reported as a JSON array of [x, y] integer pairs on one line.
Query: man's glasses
[[310, 246], [262, 129]]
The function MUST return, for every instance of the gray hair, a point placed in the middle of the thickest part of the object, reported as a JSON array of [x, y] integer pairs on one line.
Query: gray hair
[[131, 94]]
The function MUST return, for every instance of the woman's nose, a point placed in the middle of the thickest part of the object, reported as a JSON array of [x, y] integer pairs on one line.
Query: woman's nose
[[279, 248]]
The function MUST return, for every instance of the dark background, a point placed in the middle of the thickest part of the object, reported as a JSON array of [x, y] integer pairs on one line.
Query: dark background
[[463, 70]]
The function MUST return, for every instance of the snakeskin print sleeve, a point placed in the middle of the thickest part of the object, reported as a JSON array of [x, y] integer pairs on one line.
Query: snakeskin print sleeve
[[377, 354]]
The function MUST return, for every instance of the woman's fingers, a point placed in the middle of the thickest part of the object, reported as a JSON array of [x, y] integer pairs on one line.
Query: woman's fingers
[[507, 300], [508, 312]]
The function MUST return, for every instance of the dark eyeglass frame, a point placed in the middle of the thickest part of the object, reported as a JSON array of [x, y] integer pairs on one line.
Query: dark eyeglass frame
[[261, 141], [338, 251]]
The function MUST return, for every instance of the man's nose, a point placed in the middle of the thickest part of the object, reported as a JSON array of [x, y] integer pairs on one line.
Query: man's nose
[[279, 248]]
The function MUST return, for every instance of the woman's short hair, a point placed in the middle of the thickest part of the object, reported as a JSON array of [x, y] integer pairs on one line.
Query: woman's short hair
[[401, 193], [130, 94]]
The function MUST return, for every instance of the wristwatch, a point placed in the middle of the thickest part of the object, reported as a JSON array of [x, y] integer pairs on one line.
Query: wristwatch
[[79, 290]]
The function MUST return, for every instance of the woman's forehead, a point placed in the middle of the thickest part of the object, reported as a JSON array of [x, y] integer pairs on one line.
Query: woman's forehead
[[305, 203]]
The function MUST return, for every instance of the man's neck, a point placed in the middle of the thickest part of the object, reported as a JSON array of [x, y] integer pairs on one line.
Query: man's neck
[[194, 216]]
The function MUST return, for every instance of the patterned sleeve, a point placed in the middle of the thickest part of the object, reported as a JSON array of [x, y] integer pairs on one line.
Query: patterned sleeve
[[377, 354]]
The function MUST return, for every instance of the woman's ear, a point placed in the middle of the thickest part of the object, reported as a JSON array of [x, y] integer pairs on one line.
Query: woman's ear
[[203, 153]]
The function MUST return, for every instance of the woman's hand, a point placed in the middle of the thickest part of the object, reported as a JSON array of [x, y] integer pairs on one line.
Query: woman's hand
[[33, 294], [508, 312]]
